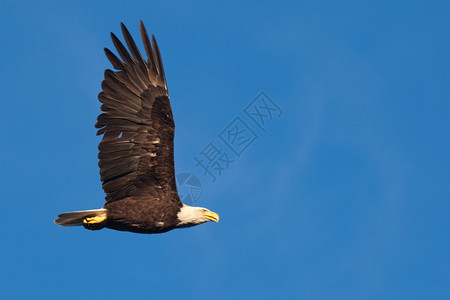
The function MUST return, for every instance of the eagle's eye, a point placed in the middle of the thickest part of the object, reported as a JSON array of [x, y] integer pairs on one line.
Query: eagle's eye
[[204, 210]]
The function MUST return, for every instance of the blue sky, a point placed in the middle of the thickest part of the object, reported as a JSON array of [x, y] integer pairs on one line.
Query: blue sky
[[344, 196]]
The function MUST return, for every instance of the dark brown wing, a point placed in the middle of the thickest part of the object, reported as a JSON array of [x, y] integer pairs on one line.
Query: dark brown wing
[[136, 152]]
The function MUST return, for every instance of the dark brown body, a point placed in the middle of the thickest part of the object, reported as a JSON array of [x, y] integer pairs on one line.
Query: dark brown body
[[141, 216]]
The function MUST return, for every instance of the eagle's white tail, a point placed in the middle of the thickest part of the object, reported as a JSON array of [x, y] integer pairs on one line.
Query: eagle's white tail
[[75, 218]]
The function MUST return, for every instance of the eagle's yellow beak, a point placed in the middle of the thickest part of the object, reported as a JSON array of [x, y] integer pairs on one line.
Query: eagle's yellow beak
[[211, 216]]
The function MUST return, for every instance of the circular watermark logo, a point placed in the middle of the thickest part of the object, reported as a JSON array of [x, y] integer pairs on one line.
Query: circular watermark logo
[[189, 188]]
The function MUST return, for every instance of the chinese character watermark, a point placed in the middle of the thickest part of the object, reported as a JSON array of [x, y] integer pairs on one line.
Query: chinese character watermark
[[220, 153], [238, 136], [263, 109], [213, 161]]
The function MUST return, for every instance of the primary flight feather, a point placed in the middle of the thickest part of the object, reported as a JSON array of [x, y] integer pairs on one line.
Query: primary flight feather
[[136, 156]]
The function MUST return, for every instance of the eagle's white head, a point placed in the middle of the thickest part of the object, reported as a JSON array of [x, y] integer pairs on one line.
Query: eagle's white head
[[191, 216]]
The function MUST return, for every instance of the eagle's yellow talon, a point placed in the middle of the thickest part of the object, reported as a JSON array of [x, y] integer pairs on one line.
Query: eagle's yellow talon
[[94, 220]]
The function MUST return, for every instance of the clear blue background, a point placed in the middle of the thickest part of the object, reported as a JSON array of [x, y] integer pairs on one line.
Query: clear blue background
[[346, 196]]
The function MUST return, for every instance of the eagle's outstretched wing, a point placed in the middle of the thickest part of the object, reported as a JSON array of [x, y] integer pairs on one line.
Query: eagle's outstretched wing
[[136, 152]]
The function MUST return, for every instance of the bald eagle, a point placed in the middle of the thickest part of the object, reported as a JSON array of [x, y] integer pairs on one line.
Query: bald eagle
[[136, 156]]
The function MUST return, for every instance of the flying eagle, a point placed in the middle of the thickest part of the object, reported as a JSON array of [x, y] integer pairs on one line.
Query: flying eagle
[[136, 156]]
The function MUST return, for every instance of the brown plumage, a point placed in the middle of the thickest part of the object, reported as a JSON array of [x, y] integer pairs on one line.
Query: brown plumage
[[136, 157]]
